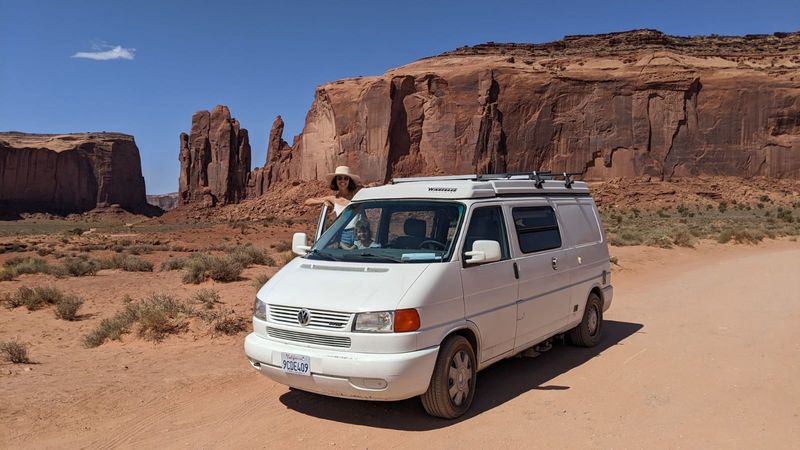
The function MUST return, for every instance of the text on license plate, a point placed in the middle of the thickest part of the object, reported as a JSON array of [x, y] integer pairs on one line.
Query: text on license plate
[[298, 364]]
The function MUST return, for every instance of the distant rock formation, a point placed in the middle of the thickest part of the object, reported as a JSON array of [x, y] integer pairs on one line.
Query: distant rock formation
[[215, 159], [165, 201], [638, 103], [70, 173], [278, 156]]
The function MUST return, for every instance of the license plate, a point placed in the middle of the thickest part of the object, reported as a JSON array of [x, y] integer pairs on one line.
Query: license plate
[[297, 364]]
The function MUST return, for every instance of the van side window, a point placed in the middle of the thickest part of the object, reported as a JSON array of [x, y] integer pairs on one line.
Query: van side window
[[487, 224], [537, 228]]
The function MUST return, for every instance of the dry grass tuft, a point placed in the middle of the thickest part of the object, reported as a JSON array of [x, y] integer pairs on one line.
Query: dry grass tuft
[[14, 352], [156, 317]]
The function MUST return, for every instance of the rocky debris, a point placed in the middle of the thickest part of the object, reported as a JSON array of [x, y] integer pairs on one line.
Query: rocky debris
[[70, 173], [638, 103], [165, 201], [215, 159]]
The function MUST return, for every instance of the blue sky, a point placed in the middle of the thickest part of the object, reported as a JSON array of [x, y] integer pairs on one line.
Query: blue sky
[[265, 58]]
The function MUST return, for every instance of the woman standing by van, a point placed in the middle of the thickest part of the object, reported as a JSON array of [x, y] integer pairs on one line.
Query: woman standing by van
[[345, 184]]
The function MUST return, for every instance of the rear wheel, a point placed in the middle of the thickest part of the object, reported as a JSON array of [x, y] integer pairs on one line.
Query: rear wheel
[[452, 385], [588, 332]]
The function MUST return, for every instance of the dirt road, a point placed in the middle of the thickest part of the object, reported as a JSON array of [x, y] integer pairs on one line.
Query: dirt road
[[701, 350]]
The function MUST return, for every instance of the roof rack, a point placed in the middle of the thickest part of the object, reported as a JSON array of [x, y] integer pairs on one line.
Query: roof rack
[[538, 176]]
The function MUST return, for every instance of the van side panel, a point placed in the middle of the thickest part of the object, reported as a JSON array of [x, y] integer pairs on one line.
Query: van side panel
[[588, 251]]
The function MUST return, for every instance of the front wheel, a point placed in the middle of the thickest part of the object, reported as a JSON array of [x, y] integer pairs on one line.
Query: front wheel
[[588, 332], [452, 385]]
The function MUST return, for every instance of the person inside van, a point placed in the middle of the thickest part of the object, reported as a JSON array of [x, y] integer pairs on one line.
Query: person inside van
[[345, 184], [364, 236]]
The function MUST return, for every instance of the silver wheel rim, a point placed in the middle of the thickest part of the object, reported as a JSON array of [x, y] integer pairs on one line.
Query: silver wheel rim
[[593, 321], [459, 377]]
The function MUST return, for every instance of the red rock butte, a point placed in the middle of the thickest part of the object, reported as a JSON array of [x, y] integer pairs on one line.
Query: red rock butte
[[628, 104], [67, 173]]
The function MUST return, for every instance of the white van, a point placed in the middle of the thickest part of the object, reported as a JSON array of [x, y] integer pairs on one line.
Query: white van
[[421, 283]]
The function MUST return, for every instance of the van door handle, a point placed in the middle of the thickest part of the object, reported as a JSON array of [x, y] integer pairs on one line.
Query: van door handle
[[516, 270], [554, 262]]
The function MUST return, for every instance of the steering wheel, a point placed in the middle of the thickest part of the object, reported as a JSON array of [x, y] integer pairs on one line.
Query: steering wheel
[[434, 244]]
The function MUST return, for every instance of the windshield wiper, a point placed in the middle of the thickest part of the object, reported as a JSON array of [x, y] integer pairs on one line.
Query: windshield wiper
[[371, 256], [320, 255]]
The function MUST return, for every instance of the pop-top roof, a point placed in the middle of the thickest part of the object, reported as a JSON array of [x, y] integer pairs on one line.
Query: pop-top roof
[[475, 186]]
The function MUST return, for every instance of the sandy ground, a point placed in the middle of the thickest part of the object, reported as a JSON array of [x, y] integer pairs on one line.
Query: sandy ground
[[701, 350]]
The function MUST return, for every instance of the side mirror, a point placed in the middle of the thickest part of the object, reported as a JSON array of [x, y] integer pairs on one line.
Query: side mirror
[[483, 252], [300, 244]]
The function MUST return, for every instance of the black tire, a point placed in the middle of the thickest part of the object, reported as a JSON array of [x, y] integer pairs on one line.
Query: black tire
[[452, 385], [589, 331]]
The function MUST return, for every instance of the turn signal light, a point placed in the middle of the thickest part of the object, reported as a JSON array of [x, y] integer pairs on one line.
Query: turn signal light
[[406, 320]]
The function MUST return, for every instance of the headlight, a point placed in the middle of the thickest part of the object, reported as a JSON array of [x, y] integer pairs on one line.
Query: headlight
[[398, 321], [376, 322], [260, 310]]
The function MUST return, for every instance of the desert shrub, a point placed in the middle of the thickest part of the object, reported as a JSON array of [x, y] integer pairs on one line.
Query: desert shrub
[[156, 317], [260, 280], [744, 236], [724, 236], [683, 238], [283, 246], [206, 297], [231, 324], [659, 241], [79, 267], [223, 269], [67, 307], [201, 266], [722, 207], [86, 248], [614, 260], [195, 269], [662, 213], [161, 315], [247, 254], [173, 264], [44, 251], [764, 199], [27, 265], [110, 329], [785, 215], [33, 298], [7, 274], [127, 263], [14, 352]]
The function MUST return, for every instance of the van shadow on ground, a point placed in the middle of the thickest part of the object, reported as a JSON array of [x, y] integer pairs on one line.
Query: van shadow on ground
[[496, 385]]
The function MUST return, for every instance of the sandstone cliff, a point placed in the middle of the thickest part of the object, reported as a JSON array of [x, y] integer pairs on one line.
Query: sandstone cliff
[[70, 172], [215, 159], [614, 105]]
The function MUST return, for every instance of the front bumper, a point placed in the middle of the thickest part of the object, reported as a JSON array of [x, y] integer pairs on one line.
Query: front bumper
[[367, 376]]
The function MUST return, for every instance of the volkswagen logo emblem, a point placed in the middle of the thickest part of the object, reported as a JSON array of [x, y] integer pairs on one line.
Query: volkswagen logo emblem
[[303, 316]]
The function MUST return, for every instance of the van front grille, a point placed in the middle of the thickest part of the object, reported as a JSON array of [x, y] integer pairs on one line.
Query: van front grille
[[309, 338], [318, 318]]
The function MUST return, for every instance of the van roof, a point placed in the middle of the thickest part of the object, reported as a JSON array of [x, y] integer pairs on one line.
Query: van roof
[[476, 186]]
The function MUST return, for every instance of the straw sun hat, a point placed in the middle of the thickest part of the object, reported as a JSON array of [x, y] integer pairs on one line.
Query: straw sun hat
[[343, 170]]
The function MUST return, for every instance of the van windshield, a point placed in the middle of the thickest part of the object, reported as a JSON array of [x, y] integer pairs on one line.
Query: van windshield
[[392, 231]]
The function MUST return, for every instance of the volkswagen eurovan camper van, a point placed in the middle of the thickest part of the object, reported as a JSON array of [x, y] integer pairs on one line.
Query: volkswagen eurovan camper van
[[421, 283]]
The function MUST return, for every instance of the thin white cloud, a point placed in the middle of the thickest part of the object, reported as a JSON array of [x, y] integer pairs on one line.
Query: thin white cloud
[[107, 53]]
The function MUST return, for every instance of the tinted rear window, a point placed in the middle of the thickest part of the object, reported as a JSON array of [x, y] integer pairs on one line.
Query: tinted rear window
[[537, 228]]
